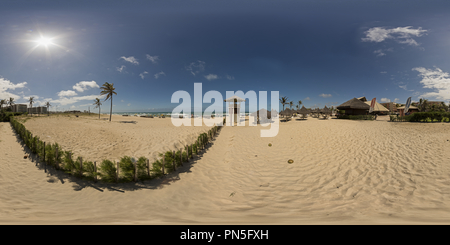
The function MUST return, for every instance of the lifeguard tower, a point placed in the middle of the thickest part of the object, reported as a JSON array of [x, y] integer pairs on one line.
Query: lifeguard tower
[[234, 109]]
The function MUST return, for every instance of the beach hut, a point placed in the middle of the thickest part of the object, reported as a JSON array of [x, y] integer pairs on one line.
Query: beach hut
[[354, 107], [378, 108], [303, 111], [234, 106], [287, 113], [411, 110], [325, 112]]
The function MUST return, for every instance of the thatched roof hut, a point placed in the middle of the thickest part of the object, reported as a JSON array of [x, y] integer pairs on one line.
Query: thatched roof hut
[[354, 107], [326, 110], [303, 111], [378, 107]]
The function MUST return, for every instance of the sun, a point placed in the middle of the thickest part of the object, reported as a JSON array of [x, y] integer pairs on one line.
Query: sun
[[44, 41]]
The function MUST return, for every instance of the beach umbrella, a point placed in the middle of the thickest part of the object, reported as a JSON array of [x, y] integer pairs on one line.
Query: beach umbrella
[[326, 110], [303, 111]]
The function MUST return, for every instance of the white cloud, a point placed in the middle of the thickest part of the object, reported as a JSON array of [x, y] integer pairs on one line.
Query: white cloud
[[230, 77], [437, 80], [400, 34], [142, 74], [120, 69], [8, 85], [67, 93], [403, 87], [325, 95], [379, 52], [396, 100], [85, 85], [153, 59], [385, 100], [157, 75], [73, 100], [211, 77], [307, 98], [130, 59], [383, 72], [196, 67], [128, 104]]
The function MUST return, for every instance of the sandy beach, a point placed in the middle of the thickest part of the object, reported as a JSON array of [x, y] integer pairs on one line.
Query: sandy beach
[[344, 172]]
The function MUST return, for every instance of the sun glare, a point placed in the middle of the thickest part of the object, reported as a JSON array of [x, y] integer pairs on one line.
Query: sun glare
[[44, 41]]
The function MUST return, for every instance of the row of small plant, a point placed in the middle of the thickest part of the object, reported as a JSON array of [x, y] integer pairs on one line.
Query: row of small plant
[[357, 117], [126, 170], [427, 117], [5, 116]]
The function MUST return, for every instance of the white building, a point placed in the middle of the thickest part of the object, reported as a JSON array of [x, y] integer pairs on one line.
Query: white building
[[19, 108], [37, 110]]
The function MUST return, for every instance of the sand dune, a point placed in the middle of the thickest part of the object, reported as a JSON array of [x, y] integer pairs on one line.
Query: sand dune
[[344, 172]]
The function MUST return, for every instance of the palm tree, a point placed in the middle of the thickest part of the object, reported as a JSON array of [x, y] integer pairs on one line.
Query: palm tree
[[2, 102], [300, 103], [48, 105], [443, 106], [291, 104], [97, 103], [31, 100], [423, 104], [108, 89], [11, 102], [283, 101]]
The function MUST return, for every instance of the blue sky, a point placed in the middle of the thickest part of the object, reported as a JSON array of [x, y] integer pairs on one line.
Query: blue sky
[[319, 52]]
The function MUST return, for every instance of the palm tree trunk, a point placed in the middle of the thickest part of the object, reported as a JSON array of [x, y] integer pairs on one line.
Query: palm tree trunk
[[110, 112]]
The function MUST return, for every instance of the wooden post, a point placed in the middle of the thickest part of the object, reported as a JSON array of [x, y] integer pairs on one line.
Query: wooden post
[[187, 153], [56, 157], [148, 168], [192, 151], [44, 153], [163, 163], [81, 167], [181, 156], [173, 163], [135, 171], [117, 177], [95, 171]]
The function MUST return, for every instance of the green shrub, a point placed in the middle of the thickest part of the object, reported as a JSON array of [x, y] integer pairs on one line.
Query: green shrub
[[126, 166], [142, 168], [67, 161], [356, 117], [89, 169], [157, 168], [108, 171], [6, 116], [422, 116]]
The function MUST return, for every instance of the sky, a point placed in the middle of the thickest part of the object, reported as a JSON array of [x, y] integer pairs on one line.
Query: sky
[[315, 51]]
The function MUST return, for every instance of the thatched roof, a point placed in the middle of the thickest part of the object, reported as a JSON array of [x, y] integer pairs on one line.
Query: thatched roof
[[303, 111], [363, 99], [378, 106], [234, 98], [325, 110], [354, 104], [410, 108], [286, 112]]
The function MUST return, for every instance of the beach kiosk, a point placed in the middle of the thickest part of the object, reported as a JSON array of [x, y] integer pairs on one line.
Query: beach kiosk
[[234, 109]]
